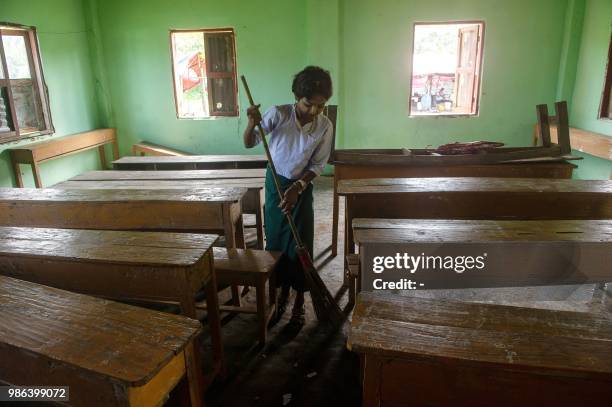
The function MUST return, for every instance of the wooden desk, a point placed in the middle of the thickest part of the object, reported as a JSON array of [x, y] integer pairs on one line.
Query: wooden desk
[[184, 175], [252, 203], [214, 210], [519, 253], [344, 170], [191, 162], [120, 265], [436, 352], [36, 153], [474, 198], [109, 354]]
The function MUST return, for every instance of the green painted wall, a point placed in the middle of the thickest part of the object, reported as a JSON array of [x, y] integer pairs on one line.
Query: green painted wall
[[270, 47], [590, 82], [518, 72], [63, 40]]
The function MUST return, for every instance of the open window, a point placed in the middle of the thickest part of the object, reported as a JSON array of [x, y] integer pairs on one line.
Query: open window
[[204, 72], [446, 68], [24, 102], [605, 110]]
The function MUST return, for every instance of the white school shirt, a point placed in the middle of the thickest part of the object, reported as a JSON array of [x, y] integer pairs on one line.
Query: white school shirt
[[295, 149]]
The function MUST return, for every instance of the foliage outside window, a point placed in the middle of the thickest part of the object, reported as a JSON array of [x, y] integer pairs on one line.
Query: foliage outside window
[[204, 73], [24, 100], [446, 68]]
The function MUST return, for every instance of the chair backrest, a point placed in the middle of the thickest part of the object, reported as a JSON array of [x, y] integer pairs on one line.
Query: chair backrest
[[331, 111]]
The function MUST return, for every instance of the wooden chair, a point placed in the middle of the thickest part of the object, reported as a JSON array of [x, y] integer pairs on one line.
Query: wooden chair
[[253, 268]]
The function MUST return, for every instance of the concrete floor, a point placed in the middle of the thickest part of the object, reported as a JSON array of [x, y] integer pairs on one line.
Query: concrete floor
[[312, 367]]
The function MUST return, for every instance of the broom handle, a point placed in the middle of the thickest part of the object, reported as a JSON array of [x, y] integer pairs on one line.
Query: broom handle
[[296, 237]]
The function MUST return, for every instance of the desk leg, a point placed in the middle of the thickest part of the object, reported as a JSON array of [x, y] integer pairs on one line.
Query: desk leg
[[349, 245], [193, 357], [335, 210], [262, 309], [18, 178], [214, 323], [372, 370], [193, 369], [102, 154], [36, 174]]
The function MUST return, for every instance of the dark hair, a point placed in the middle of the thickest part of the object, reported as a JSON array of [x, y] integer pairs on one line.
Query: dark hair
[[313, 80]]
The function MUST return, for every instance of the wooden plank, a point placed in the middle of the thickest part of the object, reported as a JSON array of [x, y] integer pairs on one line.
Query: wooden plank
[[478, 231], [47, 339], [169, 175], [144, 147], [49, 149], [191, 162], [254, 183], [543, 124], [471, 184], [186, 210], [559, 341], [563, 127]]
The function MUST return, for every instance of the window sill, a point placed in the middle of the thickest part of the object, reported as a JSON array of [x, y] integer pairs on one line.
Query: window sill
[[25, 138]]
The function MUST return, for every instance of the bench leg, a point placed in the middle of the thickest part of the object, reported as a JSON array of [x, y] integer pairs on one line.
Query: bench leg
[[102, 155], [36, 175], [262, 310], [18, 178]]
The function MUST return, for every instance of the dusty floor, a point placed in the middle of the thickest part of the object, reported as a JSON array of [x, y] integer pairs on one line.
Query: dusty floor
[[312, 367]]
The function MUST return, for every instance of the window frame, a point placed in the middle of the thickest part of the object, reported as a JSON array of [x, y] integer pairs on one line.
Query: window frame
[[236, 111], [605, 106], [478, 72], [37, 78]]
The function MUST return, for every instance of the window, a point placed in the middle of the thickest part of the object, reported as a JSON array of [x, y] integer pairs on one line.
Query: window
[[605, 111], [24, 102], [446, 68], [204, 72]]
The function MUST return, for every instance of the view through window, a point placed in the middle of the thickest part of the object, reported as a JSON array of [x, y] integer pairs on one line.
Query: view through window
[[24, 104], [446, 66], [204, 70]]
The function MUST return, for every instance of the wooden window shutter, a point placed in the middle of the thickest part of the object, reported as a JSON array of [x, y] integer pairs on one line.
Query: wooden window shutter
[[221, 73]]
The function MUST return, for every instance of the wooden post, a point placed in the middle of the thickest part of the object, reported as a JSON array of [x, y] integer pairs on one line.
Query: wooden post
[[544, 125]]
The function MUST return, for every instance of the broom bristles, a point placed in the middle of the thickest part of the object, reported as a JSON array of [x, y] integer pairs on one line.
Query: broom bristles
[[323, 302]]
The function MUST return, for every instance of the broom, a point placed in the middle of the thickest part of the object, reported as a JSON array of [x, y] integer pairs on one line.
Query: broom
[[323, 302]]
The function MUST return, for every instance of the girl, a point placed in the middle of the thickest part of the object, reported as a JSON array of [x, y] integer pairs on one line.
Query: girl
[[300, 141]]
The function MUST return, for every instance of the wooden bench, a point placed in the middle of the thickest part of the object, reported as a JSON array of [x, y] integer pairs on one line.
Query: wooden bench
[[345, 169], [190, 162], [253, 268], [37, 153], [154, 266], [107, 353], [143, 148], [436, 352], [518, 253], [252, 203], [211, 210]]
